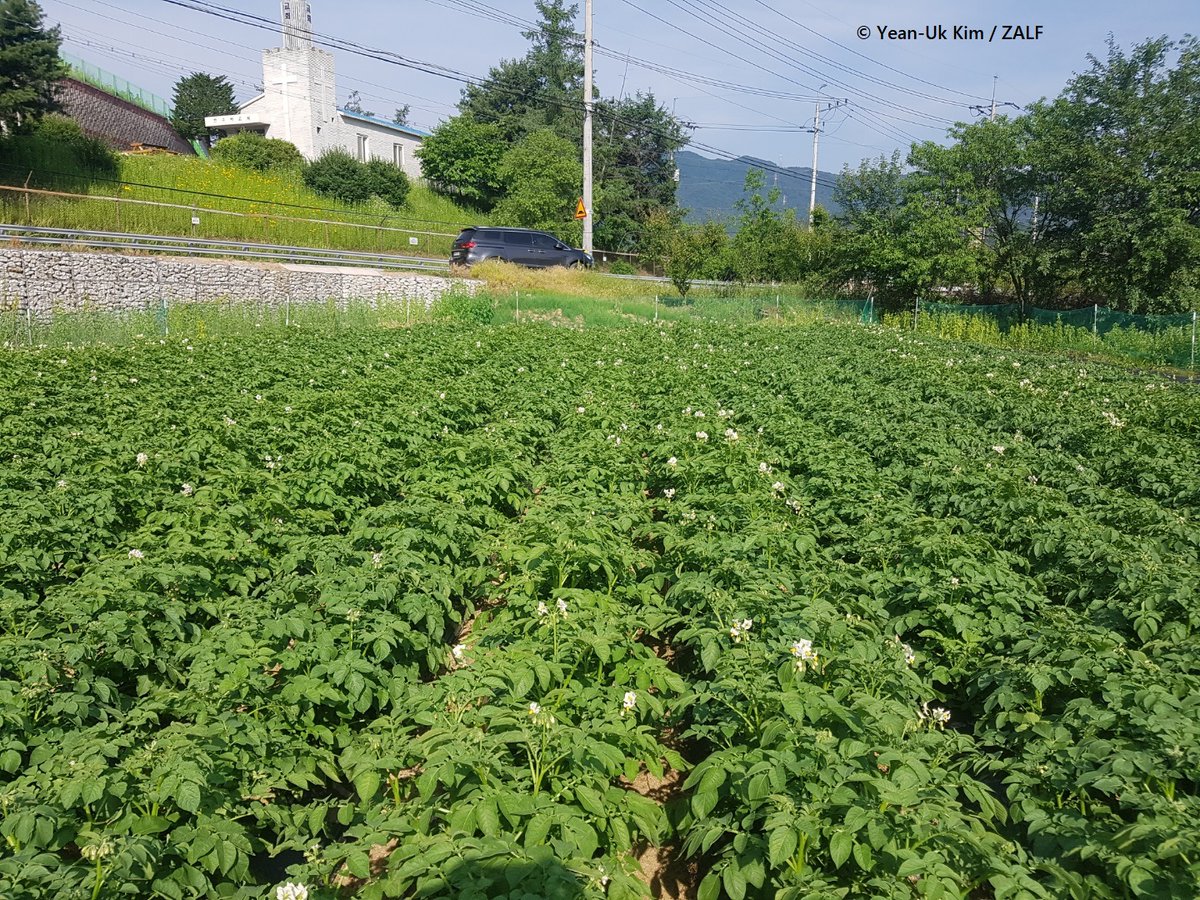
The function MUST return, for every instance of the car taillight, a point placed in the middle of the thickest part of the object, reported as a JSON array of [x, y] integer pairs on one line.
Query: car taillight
[[469, 245]]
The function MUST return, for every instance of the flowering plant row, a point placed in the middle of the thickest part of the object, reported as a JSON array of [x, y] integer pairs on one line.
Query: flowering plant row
[[486, 613]]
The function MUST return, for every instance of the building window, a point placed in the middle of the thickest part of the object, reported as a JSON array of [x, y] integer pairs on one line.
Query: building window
[[398, 155], [362, 148]]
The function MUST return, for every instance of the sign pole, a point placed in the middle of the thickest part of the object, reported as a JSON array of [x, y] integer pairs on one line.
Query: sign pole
[[587, 127]]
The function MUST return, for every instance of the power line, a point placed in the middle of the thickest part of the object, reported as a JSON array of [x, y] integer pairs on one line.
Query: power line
[[705, 11], [870, 59], [224, 13], [723, 49], [404, 98]]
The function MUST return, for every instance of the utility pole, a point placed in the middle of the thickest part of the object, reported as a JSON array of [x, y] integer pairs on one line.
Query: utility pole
[[812, 192], [992, 118], [587, 128]]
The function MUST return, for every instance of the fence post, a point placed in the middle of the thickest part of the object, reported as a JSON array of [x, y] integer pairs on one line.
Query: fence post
[[287, 312], [1193, 319], [166, 321], [916, 312], [1095, 321], [1193, 364], [29, 323], [517, 317]]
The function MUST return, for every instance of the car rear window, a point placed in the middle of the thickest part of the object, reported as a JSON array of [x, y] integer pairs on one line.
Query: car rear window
[[466, 235], [518, 238]]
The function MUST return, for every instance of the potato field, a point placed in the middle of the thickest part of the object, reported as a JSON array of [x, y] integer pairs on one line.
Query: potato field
[[824, 611]]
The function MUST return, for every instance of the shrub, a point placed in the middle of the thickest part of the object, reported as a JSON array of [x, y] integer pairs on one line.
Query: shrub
[[388, 182], [260, 154], [89, 155], [620, 267], [339, 175]]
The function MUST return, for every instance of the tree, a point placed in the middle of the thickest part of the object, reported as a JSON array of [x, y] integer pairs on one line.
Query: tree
[[198, 96], [463, 156], [694, 251], [29, 65], [541, 176], [899, 239], [540, 90], [1119, 147], [354, 105], [401, 116], [764, 247], [636, 142]]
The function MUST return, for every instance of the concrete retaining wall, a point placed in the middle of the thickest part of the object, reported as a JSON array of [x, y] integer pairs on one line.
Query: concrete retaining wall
[[48, 282]]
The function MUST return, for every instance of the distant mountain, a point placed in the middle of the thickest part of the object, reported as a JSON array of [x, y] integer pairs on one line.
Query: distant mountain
[[709, 188]]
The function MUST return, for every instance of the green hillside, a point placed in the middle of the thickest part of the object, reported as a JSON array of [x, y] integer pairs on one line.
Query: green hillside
[[161, 194]]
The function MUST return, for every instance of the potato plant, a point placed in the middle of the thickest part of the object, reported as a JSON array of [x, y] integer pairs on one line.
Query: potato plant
[[410, 614]]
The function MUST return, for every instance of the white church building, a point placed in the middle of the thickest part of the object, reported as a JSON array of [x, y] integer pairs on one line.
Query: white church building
[[299, 104]]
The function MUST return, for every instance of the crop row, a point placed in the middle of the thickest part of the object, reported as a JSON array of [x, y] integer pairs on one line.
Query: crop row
[[422, 614]]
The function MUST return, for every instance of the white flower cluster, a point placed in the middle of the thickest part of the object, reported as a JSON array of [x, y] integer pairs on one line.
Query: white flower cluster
[[740, 631], [142, 459], [1112, 420], [291, 891], [458, 651], [999, 448], [136, 554], [672, 462], [764, 469], [669, 493], [535, 713], [94, 852], [731, 435], [938, 717], [909, 656], [804, 654], [629, 703], [186, 489], [543, 610], [702, 435]]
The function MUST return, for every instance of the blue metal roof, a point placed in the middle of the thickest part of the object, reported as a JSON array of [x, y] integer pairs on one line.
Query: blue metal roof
[[375, 120]]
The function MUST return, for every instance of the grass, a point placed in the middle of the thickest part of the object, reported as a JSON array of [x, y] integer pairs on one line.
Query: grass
[[430, 218], [1165, 347]]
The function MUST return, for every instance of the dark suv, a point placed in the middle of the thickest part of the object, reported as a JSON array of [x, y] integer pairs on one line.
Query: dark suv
[[516, 245]]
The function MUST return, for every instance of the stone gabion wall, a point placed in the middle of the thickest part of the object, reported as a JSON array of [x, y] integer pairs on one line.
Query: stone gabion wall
[[54, 282]]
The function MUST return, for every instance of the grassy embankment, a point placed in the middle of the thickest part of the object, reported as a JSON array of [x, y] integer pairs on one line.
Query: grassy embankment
[[275, 208]]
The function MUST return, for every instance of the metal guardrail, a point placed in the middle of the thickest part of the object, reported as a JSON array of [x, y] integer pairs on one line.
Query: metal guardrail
[[190, 246], [193, 246]]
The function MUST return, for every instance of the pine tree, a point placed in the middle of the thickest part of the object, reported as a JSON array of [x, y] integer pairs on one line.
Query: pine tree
[[29, 65], [199, 95]]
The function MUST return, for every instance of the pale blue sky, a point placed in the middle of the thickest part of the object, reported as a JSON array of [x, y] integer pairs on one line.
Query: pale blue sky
[[898, 90]]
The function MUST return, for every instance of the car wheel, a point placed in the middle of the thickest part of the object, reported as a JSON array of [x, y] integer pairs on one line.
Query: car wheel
[[575, 264]]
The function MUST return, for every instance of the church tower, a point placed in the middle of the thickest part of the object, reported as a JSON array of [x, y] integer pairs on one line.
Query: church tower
[[299, 85], [296, 16]]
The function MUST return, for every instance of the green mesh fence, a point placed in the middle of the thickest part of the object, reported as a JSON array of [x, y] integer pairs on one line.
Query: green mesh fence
[[1168, 340], [119, 87]]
